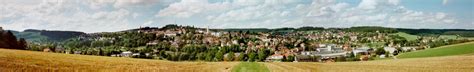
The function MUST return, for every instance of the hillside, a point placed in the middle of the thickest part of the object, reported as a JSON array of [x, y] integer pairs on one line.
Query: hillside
[[456, 49], [409, 37], [14, 60], [47, 35]]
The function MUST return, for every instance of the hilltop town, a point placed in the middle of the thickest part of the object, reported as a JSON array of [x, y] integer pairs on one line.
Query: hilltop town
[[186, 43]]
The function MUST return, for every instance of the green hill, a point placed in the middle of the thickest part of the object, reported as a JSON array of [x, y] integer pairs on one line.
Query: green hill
[[46, 35], [409, 37], [456, 49]]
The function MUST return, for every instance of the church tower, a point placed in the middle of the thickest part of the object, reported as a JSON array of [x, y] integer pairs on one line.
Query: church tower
[[207, 30]]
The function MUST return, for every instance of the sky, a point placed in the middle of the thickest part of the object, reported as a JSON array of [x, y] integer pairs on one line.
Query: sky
[[117, 15]]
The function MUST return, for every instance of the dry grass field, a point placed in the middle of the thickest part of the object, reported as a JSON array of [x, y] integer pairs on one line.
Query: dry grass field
[[463, 63], [19, 60]]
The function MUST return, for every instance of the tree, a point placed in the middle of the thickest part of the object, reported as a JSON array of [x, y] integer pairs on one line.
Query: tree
[[230, 56], [219, 56], [200, 56], [210, 56], [261, 55], [241, 57], [162, 54], [22, 44], [252, 56], [379, 51], [290, 58]]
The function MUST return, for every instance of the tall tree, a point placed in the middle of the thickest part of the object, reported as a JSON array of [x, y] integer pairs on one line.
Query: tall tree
[[252, 56], [219, 56], [22, 44]]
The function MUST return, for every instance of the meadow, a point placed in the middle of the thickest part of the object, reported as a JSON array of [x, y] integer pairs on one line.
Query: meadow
[[456, 49], [407, 36], [250, 67]]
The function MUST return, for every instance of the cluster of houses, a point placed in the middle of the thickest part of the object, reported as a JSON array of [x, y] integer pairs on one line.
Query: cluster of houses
[[322, 46], [341, 44]]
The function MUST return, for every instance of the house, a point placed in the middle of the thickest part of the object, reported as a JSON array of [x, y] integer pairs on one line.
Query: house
[[126, 54], [59, 49], [217, 34], [322, 54], [390, 50], [47, 50], [362, 51], [135, 54], [152, 43], [408, 49], [274, 58], [170, 33], [77, 52]]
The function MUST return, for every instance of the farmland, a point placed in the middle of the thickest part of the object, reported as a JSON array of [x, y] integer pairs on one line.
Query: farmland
[[34, 61], [463, 63], [39, 61], [457, 49]]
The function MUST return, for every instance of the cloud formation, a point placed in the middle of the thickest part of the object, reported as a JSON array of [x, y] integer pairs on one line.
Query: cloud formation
[[116, 15], [326, 13]]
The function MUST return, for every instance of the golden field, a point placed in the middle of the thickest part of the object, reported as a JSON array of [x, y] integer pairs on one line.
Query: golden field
[[463, 63], [19, 60]]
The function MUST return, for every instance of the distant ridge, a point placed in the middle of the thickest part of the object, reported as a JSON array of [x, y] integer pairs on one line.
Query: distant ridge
[[47, 35], [57, 36]]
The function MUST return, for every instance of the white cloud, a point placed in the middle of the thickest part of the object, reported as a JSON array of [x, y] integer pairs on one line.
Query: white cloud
[[62, 15], [148, 23], [123, 3], [328, 13], [372, 4], [445, 2], [115, 15], [188, 8], [98, 4]]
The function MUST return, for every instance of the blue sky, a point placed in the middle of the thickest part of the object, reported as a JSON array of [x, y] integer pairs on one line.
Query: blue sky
[[116, 15]]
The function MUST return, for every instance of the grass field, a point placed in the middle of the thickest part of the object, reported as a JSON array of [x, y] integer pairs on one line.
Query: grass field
[[18, 60], [409, 37], [456, 49], [449, 36], [250, 67]]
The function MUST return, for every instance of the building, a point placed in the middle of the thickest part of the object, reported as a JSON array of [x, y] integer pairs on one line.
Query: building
[[126, 54], [322, 54], [362, 51], [390, 50], [408, 49], [274, 58]]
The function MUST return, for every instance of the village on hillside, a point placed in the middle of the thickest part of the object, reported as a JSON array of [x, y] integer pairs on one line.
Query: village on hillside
[[185, 43]]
